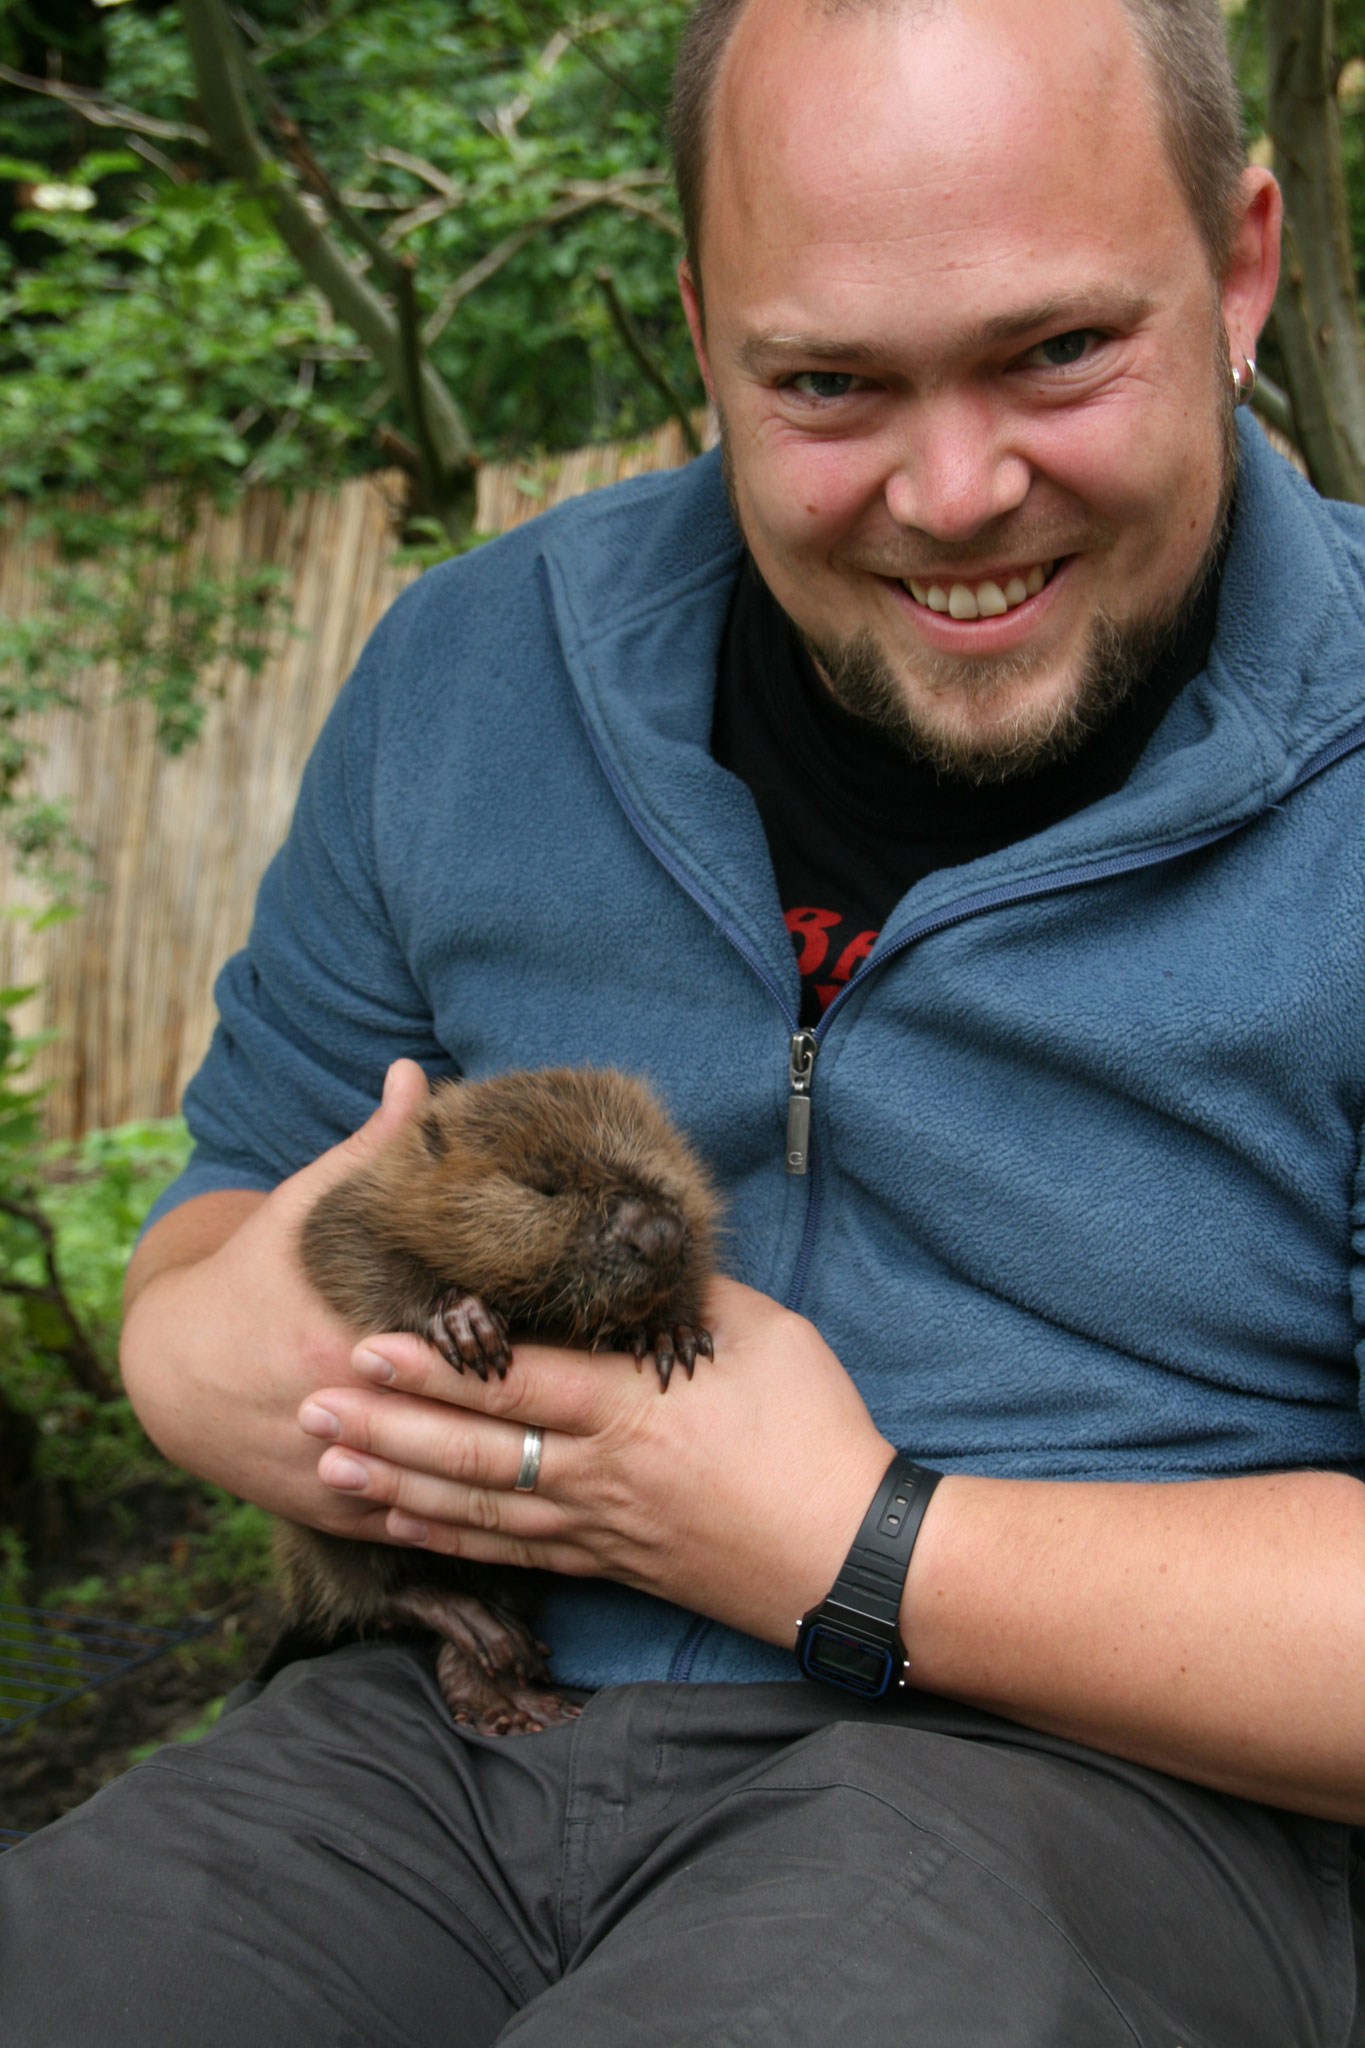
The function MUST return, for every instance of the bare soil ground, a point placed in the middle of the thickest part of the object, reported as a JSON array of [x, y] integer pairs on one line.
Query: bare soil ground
[[54, 1762]]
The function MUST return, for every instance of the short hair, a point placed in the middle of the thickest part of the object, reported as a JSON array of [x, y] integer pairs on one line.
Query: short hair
[[1184, 42]]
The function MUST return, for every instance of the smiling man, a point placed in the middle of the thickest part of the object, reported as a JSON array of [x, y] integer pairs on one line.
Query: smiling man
[[971, 359], [1019, 684]]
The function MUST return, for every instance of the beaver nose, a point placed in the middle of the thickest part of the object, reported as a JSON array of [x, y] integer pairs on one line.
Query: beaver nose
[[655, 1233]]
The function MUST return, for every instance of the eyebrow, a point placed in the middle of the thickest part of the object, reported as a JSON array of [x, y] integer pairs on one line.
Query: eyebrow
[[1110, 306], [1103, 307]]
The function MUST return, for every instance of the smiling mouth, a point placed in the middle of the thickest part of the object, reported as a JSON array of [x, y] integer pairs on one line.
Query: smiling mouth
[[986, 599]]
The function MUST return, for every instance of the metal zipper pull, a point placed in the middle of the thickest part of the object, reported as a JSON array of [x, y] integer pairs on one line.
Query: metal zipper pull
[[800, 1068]]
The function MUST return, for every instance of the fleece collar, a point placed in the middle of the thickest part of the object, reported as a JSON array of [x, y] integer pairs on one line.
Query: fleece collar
[[639, 581]]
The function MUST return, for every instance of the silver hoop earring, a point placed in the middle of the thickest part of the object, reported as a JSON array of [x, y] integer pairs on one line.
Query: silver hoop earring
[[1243, 384]]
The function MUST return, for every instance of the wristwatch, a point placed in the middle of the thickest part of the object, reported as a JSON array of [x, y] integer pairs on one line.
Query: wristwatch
[[853, 1637]]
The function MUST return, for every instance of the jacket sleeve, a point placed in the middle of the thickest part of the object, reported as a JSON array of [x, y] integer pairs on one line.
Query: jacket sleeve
[[320, 999]]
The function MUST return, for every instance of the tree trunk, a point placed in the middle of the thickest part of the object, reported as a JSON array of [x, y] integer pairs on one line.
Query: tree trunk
[[441, 437], [1317, 318]]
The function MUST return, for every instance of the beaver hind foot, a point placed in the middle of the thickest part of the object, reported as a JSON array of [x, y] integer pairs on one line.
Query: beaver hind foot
[[491, 1669], [496, 1703]]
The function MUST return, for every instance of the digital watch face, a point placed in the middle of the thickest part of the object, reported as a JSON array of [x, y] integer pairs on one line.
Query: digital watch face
[[844, 1660]]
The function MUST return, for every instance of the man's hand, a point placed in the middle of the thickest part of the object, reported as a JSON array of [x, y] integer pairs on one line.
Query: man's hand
[[223, 1336], [1213, 1628], [736, 1493]]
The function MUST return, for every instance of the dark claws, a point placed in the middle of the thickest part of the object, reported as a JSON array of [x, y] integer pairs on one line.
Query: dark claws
[[467, 1332], [679, 1344]]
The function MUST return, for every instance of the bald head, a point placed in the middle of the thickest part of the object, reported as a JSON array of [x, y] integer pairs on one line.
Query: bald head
[[1186, 76]]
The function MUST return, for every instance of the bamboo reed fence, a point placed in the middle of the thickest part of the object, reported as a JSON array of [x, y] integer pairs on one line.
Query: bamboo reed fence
[[179, 844]]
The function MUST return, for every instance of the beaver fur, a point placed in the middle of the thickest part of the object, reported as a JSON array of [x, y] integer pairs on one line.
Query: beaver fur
[[559, 1204]]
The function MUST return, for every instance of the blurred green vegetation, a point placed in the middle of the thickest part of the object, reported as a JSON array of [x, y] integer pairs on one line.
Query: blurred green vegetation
[[75, 1456], [160, 349]]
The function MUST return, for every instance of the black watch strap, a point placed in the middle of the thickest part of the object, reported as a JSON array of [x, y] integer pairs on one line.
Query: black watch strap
[[853, 1637], [873, 1574]]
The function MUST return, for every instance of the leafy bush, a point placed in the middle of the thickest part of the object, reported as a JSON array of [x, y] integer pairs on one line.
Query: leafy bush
[[71, 1449]]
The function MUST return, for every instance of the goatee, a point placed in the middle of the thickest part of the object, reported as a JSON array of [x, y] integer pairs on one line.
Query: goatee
[[1015, 737], [1022, 737]]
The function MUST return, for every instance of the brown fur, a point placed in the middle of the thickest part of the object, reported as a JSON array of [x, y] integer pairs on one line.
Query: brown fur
[[561, 1204]]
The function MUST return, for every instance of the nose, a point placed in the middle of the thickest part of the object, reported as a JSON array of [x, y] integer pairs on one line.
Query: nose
[[653, 1230], [953, 472]]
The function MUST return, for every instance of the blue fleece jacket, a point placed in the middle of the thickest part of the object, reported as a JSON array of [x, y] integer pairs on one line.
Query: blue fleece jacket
[[1087, 1125]]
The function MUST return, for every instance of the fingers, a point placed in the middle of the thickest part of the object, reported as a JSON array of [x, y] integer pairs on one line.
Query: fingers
[[406, 1088], [578, 1393], [437, 1511], [418, 1435], [428, 1498]]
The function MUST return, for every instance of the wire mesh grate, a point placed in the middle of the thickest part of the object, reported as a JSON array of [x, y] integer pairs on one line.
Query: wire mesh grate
[[47, 1656]]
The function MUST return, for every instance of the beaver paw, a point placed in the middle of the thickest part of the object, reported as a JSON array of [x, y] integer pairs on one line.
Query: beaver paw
[[496, 1703], [476, 1631], [467, 1332], [671, 1344]]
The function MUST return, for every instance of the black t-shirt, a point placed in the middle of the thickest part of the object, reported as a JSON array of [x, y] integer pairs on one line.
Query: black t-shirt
[[852, 821]]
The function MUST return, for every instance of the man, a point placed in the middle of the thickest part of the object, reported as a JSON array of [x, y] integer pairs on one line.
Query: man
[[974, 302]]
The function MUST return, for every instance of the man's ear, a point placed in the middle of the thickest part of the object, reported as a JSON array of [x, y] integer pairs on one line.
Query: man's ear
[[696, 325], [1253, 271]]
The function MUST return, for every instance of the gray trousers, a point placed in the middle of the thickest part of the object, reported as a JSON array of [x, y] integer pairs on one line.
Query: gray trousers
[[731, 1865]]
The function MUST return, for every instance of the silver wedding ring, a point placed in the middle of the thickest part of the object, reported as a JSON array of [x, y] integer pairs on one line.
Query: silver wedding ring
[[531, 1445]]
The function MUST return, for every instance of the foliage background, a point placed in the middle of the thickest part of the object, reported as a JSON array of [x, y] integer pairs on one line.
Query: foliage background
[[159, 349]]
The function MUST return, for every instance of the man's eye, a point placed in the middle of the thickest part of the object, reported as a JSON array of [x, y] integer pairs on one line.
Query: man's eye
[[1061, 350], [822, 383]]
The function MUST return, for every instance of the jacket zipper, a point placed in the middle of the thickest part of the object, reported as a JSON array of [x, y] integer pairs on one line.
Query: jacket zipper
[[1050, 884], [800, 1073], [803, 1046]]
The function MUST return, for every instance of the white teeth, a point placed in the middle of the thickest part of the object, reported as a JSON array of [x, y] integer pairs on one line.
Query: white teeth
[[988, 600]]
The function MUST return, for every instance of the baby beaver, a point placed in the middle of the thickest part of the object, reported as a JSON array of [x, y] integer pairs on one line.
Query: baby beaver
[[559, 1204]]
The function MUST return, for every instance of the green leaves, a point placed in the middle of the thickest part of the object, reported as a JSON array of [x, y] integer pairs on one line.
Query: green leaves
[[449, 130], [162, 348]]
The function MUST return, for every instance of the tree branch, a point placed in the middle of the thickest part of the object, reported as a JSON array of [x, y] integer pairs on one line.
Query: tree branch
[[627, 203], [403, 160], [218, 61], [1272, 405], [412, 375], [78, 1353], [268, 52], [1317, 319], [417, 217], [577, 198], [102, 113], [152, 155], [635, 342]]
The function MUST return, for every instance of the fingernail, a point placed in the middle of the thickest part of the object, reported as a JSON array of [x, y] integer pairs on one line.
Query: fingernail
[[406, 1528], [318, 1421], [371, 1366], [346, 1473]]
